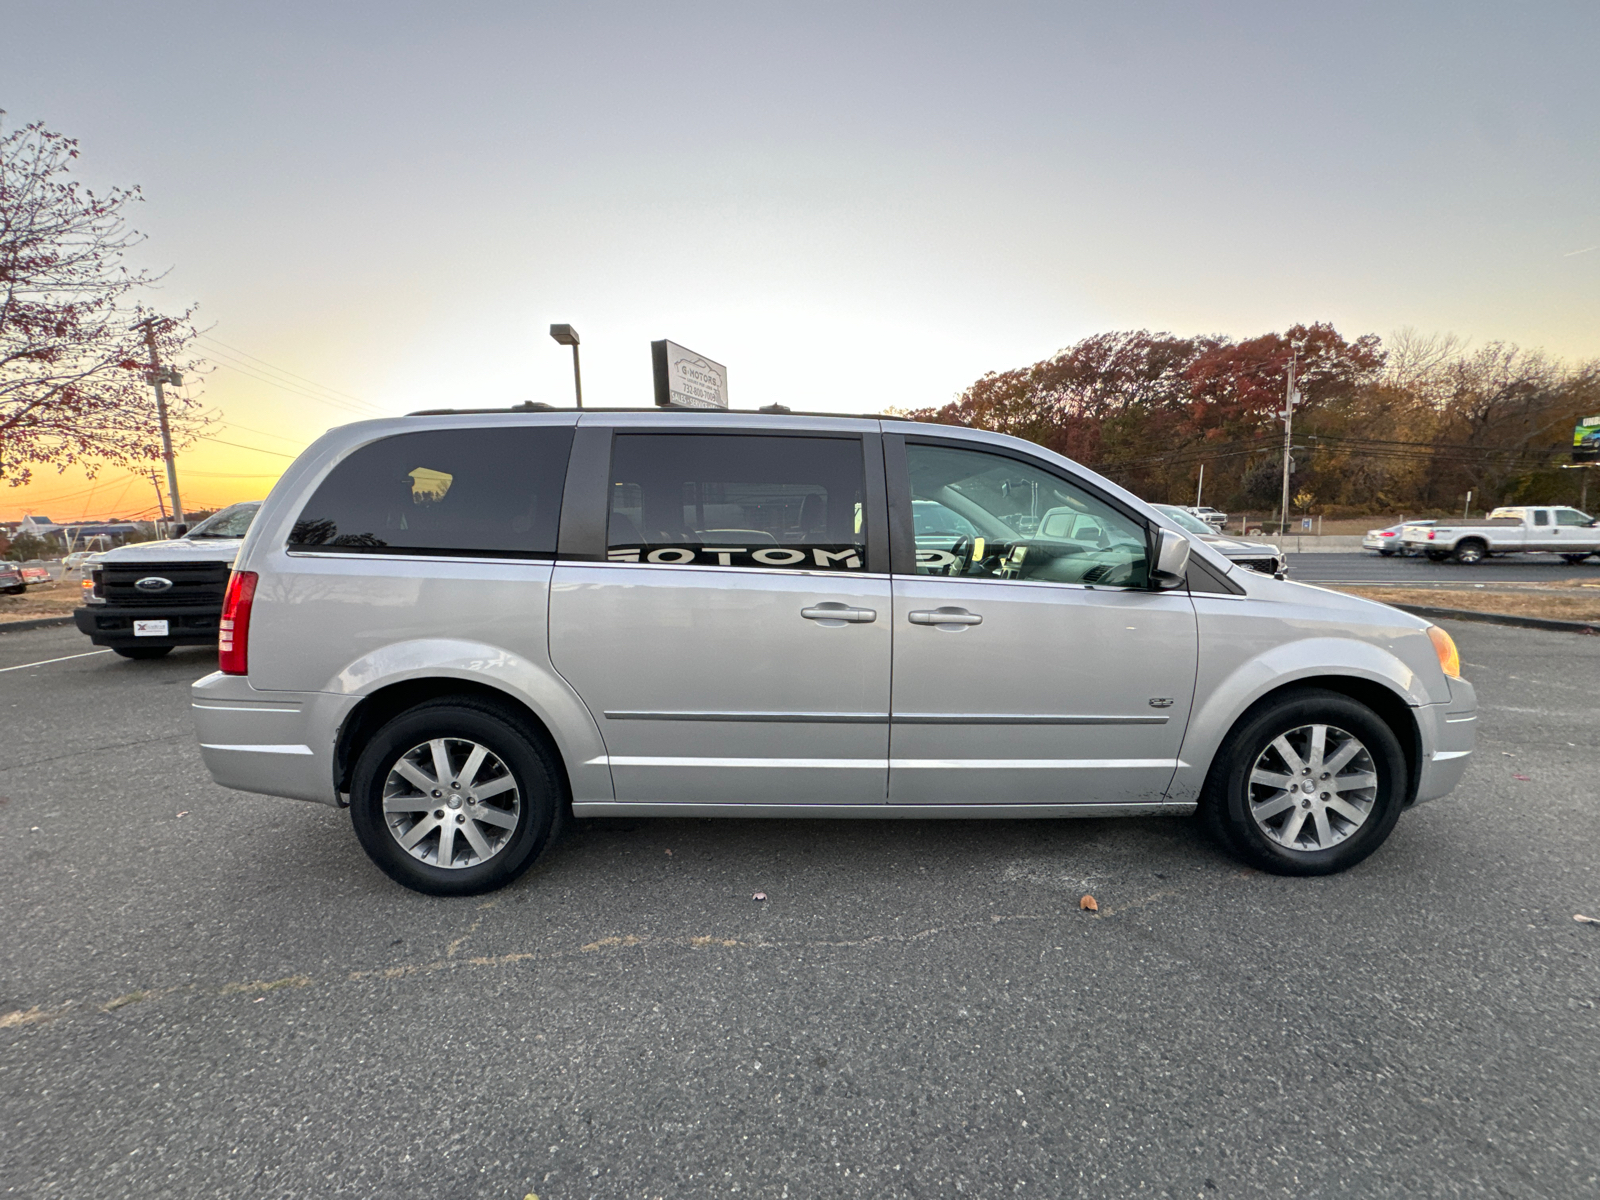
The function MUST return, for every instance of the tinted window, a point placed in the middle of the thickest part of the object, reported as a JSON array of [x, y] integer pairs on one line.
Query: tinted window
[[1027, 522], [1571, 516], [1541, 517], [492, 492], [736, 500]]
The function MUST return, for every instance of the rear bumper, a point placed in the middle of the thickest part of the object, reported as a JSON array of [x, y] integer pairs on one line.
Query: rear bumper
[[109, 625], [274, 743]]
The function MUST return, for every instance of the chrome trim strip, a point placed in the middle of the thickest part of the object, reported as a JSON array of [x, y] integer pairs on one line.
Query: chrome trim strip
[[1459, 718], [249, 708], [259, 749], [877, 764], [345, 555], [1031, 764], [831, 764], [916, 812], [824, 718], [810, 718], [1444, 755], [1018, 719]]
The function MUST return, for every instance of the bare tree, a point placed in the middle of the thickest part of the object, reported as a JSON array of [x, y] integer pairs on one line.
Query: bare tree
[[73, 357]]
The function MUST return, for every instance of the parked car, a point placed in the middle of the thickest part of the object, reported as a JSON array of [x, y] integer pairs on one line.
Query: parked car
[[74, 561], [12, 580], [1217, 520], [467, 626], [1387, 541], [1511, 530], [1258, 556], [144, 599]]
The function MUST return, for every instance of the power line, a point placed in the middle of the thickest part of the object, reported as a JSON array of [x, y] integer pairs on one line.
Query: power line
[[339, 400], [284, 371]]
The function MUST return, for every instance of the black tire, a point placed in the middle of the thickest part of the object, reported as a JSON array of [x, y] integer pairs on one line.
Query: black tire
[[1225, 802], [1470, 551], [1437, 555], [1386, 553], [466, 719], [143, 652], [1574, 559]]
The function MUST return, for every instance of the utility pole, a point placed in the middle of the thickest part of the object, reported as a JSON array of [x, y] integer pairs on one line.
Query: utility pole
[[160, 503], [1200, 486], [1289, 397], [157, 376]]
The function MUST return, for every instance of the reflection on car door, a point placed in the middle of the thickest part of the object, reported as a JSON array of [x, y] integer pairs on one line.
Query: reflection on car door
[[1011, 689], [734, 647]]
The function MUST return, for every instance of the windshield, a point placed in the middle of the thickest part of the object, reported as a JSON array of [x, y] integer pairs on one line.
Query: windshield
[[231, 522], [1184, 520]]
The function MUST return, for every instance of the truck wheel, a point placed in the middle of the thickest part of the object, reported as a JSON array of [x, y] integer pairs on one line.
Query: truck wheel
[[453, 798], [1471, 551], [1386, 553], [1437, 555], [1308, 783], [143, 652], [1574, 559]]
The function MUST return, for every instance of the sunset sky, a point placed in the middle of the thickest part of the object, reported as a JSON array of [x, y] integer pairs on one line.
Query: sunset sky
[[382, 207]]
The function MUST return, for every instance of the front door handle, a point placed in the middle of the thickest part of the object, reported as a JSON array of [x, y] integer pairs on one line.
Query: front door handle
[[833, 614], [944, 618]]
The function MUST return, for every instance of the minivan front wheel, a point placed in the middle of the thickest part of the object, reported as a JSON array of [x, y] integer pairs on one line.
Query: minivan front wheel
[[453, 798], [1309, 784]]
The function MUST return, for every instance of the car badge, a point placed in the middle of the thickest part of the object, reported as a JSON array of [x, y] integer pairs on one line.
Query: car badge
[[153, 583]]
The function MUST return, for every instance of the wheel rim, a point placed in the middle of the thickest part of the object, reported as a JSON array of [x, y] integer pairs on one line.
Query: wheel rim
[[451, 802], [1312, 787], [1469, 554]]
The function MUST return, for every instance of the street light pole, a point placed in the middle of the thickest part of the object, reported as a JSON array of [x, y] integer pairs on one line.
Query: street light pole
[[1288, 439], [158, 376], [566, 335]]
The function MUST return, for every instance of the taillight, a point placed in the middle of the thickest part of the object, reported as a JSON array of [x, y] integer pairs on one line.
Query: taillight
[[233, 632], [1432, 535]]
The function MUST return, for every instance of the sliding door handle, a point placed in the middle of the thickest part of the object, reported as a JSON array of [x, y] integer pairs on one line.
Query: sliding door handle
[[832, 613], [944, 618]]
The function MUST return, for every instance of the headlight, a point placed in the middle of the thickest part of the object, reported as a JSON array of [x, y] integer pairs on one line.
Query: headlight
[[1444, 645]]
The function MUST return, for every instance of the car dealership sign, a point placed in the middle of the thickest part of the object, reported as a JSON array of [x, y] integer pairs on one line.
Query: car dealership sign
[[685, 379]]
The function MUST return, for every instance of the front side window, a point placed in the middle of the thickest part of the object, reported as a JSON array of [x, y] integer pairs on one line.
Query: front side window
[[1026, 523], [1571, 516], [231, 522], [737, 500], [491, 492]]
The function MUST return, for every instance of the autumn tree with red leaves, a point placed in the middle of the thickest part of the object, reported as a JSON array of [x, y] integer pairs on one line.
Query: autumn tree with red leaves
[[73, 359]]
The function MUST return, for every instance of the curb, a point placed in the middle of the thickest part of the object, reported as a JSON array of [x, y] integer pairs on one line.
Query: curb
[[1489, 618], [33, 623]]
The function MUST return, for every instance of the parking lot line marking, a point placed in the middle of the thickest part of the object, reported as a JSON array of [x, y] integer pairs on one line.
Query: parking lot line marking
[[45, 662]]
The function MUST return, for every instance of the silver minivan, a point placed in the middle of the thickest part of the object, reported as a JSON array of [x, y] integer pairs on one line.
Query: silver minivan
[[467, 626]]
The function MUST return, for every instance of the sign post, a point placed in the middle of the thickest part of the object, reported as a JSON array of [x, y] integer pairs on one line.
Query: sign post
[[685, 379]]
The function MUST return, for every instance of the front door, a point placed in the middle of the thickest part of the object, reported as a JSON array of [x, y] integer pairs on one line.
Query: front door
[[734, 648], [1032, 662]]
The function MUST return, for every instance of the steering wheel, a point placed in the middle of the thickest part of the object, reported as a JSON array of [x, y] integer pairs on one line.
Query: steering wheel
[[962, 554]]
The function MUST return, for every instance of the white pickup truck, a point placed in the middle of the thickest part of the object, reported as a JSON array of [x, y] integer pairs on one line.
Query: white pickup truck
[[1524, 529]]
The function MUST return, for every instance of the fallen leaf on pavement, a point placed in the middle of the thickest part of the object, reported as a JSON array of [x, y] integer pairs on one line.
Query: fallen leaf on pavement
[[1088, 904], [759, 896], [1524, 778], [1586, 920]]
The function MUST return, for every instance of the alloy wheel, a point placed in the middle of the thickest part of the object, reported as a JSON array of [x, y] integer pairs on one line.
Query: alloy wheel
[[1312, 787], [451, 802]]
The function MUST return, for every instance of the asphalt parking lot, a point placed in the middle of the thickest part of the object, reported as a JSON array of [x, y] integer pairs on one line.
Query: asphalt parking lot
[[1364, 566], [204, 993]]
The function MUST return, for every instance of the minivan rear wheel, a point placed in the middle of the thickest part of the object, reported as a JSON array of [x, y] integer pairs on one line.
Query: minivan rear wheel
[[1309, 783], [453, 797]]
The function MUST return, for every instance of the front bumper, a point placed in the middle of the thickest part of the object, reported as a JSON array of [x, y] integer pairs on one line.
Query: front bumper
[[274, 743], [1449, 734], [111, 625]]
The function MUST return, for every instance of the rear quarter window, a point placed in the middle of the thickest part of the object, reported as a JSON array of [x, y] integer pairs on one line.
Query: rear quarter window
[[490, 492]]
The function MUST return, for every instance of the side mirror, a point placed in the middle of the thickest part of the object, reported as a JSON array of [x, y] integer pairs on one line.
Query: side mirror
[[181, 528], [1172, 559]]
